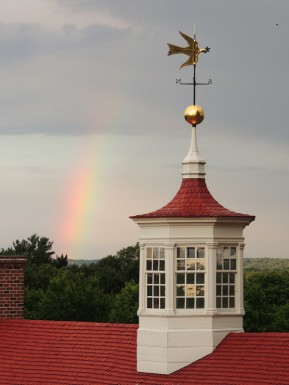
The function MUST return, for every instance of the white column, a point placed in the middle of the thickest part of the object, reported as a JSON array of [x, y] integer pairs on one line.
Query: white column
[[142, 278], [241, 278], [211, 277], [170, 278]]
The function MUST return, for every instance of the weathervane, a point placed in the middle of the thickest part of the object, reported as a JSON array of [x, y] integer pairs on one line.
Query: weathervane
[[193, 114]]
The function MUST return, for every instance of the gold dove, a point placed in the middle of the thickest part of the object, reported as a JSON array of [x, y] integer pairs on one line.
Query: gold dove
[[192, 50]]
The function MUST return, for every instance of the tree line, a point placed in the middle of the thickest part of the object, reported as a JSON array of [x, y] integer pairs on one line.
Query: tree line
[[107, 290]]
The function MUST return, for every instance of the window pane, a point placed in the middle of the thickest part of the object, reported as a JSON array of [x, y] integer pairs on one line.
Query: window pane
[[219, 277], [180, 252], [190, 264], [162, 265], [200, 291], [163, 303], [200, 265], [232, 301], [191, 278], [200, 278], [225, 277], [155, 252], [149, 265], [219, 302], [156, 291], [225, 302], [163, 278], [149, 303], [181, 278], [226, 264], [232, 290], [219, 252], [149, 291], [190, 252], [156, 303], [219, 264], [226, 253], [162, 253], [200, 303], [150, 278], [225, 290], [232, 278], [156, 278], [181, 264], [201, 252], [162, 291], [219, 289], [155, 265], [190, 302], [180, 291], [190, 290], [180, 303], [149, 252], [233, 252], [233, 264]]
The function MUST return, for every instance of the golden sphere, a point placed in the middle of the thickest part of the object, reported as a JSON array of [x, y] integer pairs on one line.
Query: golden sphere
[[194, 114]]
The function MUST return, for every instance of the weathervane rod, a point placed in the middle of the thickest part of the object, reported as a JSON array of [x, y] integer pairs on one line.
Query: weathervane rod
[[193, 52], [193, 114], [194, 80]]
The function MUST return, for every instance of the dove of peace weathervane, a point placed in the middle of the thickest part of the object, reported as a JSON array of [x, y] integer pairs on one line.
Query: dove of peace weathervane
[[192, 50], [193, 114]]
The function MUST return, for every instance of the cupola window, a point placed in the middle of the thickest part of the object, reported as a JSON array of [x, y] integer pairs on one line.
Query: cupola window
[[190, 278], [226, 276], [155, 278]]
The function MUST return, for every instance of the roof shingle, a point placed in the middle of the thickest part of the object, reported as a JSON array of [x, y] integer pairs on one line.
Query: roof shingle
[[193, 200], [83, 353]]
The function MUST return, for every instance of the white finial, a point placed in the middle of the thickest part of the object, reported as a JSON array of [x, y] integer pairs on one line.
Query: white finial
[[193, 164]]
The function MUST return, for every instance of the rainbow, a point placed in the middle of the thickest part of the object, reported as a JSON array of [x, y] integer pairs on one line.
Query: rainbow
[[79, 202], [85, 188]]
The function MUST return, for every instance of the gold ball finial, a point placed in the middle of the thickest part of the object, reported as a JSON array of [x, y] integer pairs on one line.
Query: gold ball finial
[[194, 114]]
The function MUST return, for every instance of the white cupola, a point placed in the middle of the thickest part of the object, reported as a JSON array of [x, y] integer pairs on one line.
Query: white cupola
[[191, 271]]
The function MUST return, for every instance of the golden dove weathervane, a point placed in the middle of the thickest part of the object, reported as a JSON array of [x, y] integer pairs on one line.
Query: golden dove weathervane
[[193, 114], [192, 50]]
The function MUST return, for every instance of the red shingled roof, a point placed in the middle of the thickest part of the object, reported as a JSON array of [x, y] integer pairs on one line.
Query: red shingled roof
[[82, 353], [193, 200]]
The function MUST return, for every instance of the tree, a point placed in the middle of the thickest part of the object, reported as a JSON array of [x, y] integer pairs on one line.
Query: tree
[[37, 250], [61, 261], [125, 305], [39, 277], [32, 302], [266, 297], [114, 271], [73, 296]]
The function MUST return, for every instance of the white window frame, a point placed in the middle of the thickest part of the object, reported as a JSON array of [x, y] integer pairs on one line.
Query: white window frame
[[155, 278], [190, 282], [226, 277]]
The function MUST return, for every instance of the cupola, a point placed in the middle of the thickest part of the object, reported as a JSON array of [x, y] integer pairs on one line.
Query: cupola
[[191, 264]]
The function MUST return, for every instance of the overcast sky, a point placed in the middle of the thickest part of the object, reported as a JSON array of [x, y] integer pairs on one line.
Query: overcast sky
[[91, 117]]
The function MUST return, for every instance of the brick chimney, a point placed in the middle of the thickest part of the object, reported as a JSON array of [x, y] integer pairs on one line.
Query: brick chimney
[[11, 286]]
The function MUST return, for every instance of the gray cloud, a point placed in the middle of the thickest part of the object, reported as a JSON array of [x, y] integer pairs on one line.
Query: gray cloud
[[130, 67]]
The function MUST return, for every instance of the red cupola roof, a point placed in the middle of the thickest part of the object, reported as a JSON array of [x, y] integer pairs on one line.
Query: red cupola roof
[[193, 200]]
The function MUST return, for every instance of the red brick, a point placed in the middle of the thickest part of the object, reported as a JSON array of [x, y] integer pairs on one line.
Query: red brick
[[11, 286]]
